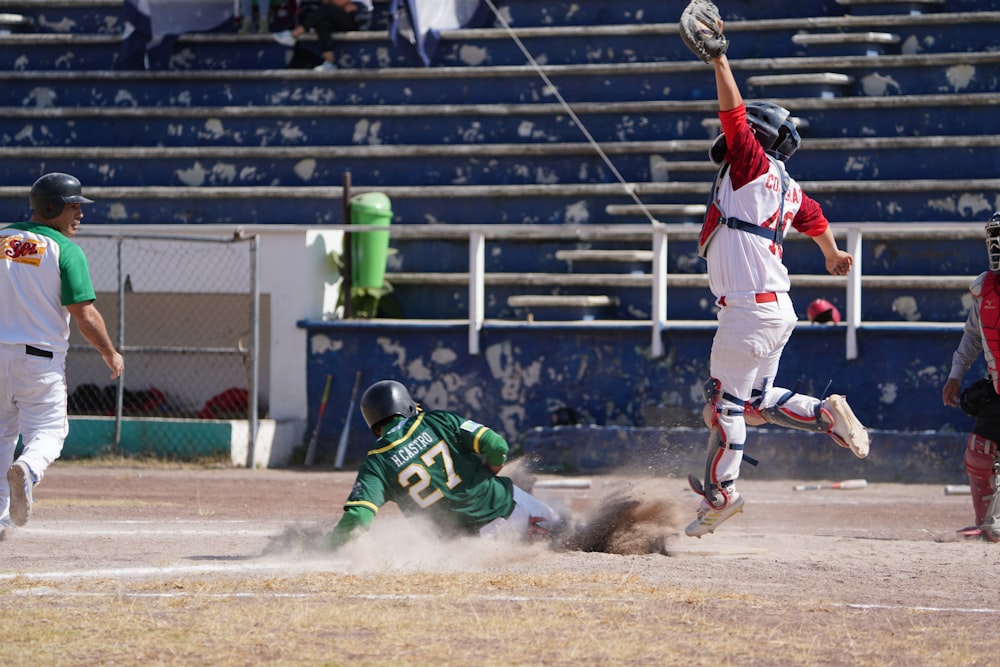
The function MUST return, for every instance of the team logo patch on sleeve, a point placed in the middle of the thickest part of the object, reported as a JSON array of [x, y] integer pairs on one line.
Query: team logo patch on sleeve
[[470, 426], [21, 250]]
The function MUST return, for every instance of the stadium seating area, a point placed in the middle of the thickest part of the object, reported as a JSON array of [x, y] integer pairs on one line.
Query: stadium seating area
[[895, 100], [886, 92]]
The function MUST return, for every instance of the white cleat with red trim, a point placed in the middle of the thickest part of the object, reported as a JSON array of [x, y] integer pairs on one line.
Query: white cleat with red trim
[[847, 429]]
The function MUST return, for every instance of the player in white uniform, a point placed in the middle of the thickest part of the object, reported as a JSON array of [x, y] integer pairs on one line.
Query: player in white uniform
[[44, 281], [754, 201]]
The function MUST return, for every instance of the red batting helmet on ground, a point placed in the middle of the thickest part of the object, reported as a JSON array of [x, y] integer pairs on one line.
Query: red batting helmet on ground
[[822, 311]]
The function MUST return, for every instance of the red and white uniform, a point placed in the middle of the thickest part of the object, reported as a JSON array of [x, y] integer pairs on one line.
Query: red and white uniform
[[981, 334], [750, 282]]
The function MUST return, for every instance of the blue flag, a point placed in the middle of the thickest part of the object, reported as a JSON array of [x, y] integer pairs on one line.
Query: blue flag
[[421, 22], [152, 27]]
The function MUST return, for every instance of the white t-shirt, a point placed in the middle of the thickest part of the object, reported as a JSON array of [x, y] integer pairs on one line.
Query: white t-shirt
[[41, 272]]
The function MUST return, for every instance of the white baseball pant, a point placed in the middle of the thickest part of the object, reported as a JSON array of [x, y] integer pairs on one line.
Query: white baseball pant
[[32, 405]]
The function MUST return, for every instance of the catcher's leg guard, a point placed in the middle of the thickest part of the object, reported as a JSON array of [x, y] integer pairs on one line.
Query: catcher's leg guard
[[991, 524], [832, 416], [727, 433], [783, 407], [980, 455], [714, 492]]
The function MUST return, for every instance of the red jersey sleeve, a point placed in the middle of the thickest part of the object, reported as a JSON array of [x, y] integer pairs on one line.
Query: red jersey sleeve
[[747, 159], [810, 219]]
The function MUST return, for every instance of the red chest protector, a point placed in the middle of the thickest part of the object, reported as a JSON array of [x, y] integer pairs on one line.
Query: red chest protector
[[989, 315]]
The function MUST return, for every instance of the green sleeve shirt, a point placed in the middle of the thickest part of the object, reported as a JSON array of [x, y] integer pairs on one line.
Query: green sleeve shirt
[[432, 464]]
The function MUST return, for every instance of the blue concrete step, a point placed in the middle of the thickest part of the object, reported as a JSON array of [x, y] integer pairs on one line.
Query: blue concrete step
[[911, 200], [504, 164], [453, 124], [884, 76], [71, 16], [521, 13], [553, 45], [500, 164]]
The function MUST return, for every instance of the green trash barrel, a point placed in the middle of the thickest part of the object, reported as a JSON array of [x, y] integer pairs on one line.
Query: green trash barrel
[[369, 249]]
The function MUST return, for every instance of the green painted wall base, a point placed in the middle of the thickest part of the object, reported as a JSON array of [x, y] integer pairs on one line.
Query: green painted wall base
[[178, 439]]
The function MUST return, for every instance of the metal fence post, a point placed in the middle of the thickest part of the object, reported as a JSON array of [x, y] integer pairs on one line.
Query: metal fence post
[[120, 389], [853, 293], [659, 295], [254, 349], [477, 288]]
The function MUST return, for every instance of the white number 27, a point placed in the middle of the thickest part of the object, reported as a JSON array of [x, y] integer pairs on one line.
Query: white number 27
[[418, 479]]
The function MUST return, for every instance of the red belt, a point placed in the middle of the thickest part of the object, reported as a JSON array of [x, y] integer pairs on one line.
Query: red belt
[[759, 297]]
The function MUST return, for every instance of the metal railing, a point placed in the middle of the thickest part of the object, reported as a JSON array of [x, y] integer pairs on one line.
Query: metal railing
[[657, 236]]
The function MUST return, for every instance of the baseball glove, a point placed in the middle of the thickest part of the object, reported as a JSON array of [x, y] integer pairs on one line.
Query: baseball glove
[[701, 30]]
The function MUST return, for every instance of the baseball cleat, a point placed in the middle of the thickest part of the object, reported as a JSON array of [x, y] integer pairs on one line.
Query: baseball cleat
[[970, 531], [847, 429], [709, 518], [21, 482]]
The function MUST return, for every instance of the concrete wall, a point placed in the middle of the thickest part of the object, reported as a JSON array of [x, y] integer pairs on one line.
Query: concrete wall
[[605, 374]]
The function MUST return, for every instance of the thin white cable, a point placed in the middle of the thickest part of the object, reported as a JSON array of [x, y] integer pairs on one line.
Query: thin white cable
[[628, 187]]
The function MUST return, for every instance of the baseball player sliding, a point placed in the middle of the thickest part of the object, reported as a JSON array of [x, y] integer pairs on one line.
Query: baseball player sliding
[[438, 465], [44, 281], [753, 202]]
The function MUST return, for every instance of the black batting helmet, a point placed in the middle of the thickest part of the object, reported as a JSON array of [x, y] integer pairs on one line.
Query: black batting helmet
[[385, 399], [50, 194]]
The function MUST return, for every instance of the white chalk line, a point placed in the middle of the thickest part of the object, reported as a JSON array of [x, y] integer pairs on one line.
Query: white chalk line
[[146, 527], [208, 568], [959, 610], [105, 532]]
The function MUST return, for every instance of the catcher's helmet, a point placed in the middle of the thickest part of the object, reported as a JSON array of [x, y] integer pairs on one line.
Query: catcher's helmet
[[385, 399], [993, 241], [773, 130], [822, 311], [50, 194]]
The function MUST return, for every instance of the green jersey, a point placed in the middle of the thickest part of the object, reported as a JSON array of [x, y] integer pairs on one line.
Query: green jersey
[[433, 464]]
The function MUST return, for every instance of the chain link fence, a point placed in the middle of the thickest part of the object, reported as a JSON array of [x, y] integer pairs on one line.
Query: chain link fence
[[185, 313]]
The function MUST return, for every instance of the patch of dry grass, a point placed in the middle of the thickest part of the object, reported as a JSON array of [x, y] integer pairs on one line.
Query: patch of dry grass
[[464, 618]]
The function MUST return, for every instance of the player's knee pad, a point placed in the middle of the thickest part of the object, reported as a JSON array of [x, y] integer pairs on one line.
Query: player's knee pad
[[980, 455], [720, 406]]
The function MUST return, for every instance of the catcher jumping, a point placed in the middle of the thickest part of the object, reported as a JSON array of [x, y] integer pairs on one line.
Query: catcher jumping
[[752, 204]]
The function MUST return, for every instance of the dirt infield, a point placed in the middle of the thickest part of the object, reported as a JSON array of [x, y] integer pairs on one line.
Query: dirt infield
[[866, 576]]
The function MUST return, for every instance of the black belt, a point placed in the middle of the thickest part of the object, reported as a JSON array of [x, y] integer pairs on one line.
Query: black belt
[[37, 351]]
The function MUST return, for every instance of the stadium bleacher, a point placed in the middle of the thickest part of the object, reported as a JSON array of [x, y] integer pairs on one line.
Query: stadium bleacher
[[887, 92]]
